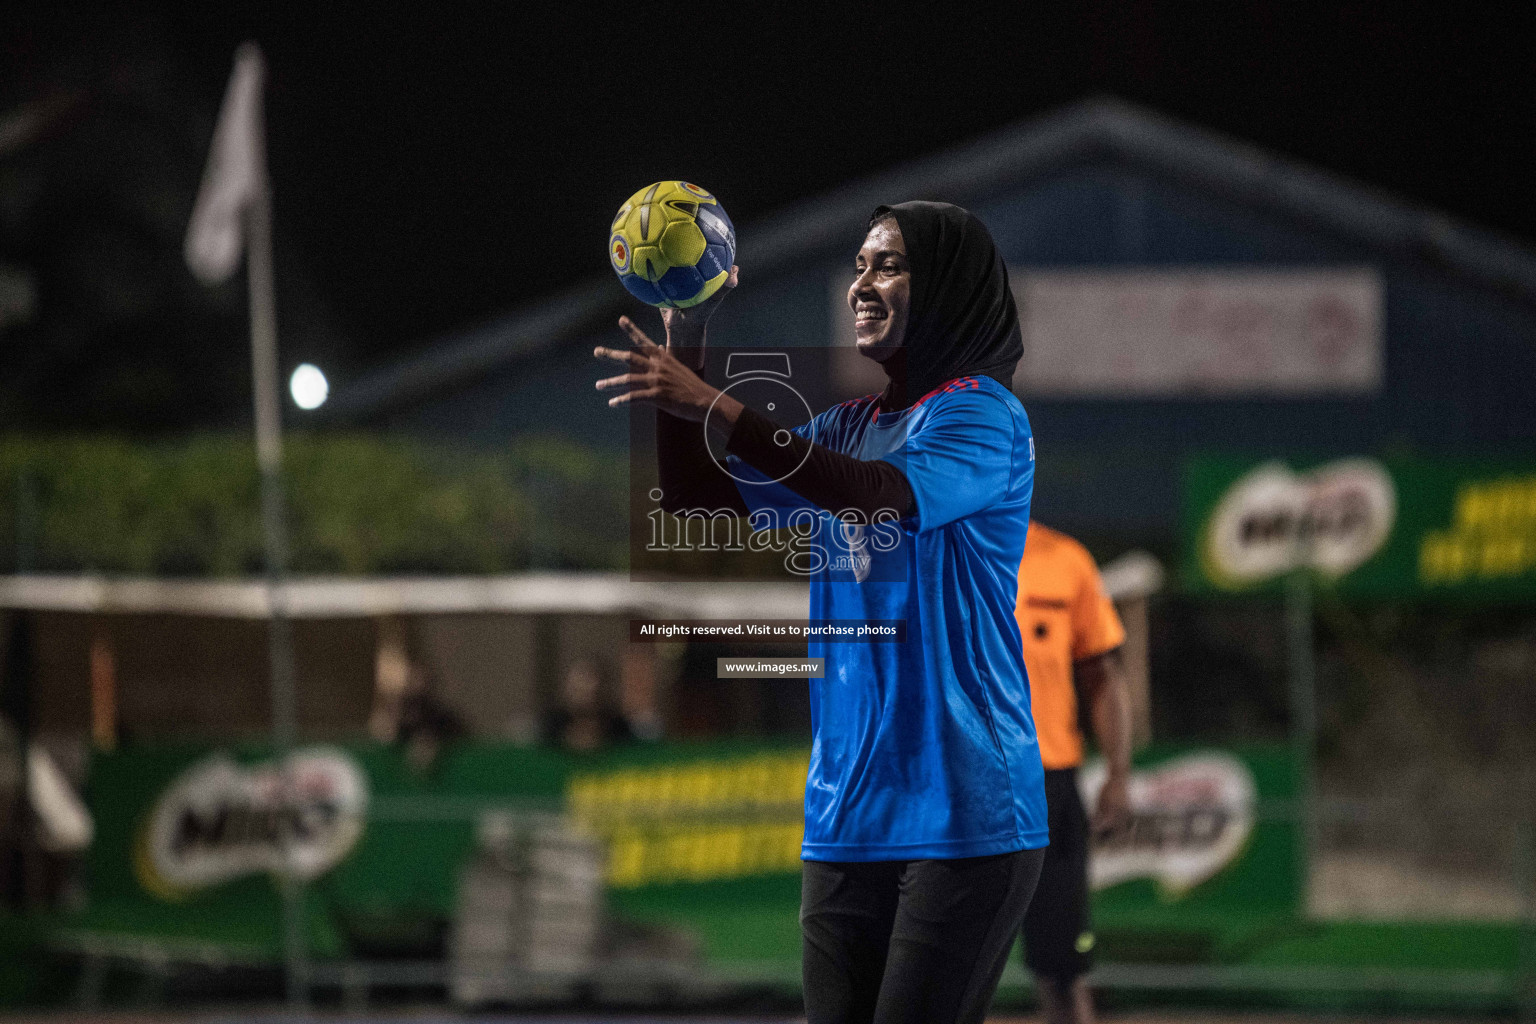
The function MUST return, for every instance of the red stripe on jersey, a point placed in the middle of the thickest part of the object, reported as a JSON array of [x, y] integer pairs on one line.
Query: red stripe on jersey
[[958, 384]]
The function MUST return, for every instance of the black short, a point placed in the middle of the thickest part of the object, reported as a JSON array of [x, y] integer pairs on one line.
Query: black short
[[921, 941], [1058, 936]]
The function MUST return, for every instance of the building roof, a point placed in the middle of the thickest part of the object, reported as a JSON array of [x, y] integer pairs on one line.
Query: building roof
[[1133, 575], [1098, 129], [328, 597]]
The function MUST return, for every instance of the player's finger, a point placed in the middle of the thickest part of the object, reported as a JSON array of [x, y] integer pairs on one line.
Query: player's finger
[[621, 381], [734, 279], [636, 335], [631, 396], [622, 355]]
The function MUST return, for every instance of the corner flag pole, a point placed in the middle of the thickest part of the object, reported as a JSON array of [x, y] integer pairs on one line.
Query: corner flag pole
[[234, 205], [269, 457]]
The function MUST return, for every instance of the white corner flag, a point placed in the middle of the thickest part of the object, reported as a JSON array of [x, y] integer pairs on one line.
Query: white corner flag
[[233, 213], [235, 175]]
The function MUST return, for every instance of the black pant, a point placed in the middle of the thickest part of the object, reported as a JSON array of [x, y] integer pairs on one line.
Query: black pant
[[920, 941], [1058, 937]]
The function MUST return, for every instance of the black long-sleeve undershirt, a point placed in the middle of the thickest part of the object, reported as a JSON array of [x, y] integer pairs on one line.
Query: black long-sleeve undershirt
[[692, 481], [690, 478]]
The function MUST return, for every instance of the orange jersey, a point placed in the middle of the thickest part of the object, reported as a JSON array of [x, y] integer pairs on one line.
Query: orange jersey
[[1064, 616]]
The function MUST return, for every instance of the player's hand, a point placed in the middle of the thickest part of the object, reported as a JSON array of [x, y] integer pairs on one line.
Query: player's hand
[[1112, 810], [685, 327], [656, 376]]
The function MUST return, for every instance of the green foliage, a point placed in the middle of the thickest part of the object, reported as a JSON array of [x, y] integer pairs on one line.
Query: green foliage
[[357, 504]]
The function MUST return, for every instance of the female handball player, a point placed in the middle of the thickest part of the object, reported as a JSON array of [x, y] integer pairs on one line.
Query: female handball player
[[925, 814]]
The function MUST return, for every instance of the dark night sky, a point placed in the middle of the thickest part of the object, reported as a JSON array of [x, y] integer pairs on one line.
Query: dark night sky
[[435, 168]]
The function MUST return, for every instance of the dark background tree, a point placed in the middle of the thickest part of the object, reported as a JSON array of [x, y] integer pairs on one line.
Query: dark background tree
[[435, 167]]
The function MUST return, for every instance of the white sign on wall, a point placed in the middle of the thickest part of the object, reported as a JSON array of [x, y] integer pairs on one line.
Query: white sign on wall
[[1199, 332]]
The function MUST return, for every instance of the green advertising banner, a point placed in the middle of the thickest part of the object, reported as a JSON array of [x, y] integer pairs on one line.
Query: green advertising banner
[[679, 860], [698, 841], [1455, 529]]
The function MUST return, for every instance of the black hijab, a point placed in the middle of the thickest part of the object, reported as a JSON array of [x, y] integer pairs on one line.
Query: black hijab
[[962, 321]]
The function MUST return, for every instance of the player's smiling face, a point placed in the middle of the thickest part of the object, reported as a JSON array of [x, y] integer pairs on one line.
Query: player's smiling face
[[881, 294]]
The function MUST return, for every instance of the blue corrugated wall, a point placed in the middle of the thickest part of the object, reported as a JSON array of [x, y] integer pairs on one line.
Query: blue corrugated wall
[[1460, 356]]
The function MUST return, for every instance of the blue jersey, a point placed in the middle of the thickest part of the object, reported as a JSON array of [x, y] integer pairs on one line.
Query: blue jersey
[[924, 748]]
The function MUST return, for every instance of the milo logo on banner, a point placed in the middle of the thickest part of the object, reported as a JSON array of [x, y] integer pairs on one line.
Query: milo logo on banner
[[1272, 520], [220, 820], [1190, 818], [1371, 527]]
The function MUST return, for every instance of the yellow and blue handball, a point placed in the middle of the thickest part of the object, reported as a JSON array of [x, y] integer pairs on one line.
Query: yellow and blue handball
[[672, 244]]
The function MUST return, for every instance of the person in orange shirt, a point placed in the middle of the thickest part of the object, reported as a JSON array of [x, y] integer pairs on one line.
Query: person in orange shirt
[[1072, 636]]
